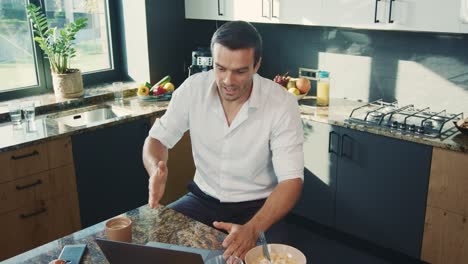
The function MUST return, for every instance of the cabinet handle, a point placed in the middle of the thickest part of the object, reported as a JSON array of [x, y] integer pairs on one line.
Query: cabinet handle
[[343, 153], [330, 150], [28, 185], [40, 211], [390, 20], [375, 14], [273, 9], [263, 11], [35, 152], [220, 13]]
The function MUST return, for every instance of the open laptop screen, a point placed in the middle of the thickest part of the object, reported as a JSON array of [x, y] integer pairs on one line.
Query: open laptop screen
[[154, 252]]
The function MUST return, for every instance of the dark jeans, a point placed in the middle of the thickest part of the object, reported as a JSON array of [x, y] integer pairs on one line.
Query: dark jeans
[[206, 209]]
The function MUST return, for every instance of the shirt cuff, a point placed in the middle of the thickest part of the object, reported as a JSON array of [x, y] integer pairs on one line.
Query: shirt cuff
[[289, 165], [159, 132]]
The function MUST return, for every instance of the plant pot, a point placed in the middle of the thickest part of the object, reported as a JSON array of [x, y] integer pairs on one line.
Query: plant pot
[[68, 85]]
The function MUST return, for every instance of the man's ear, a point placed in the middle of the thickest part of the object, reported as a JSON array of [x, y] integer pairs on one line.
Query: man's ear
[[256, 67]]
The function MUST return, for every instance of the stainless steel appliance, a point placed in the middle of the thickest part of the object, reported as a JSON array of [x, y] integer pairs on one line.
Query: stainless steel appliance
[[405, 119], [201, 61]]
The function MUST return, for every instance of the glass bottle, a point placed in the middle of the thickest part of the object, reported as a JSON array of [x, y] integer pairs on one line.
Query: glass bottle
[[323, 88]]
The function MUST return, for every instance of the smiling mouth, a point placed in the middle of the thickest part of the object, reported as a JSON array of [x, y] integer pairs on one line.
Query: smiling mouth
[[229, 90]]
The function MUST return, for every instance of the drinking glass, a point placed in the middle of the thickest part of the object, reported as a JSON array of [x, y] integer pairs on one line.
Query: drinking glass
[[15, 113], [118, 91], [29, 111]]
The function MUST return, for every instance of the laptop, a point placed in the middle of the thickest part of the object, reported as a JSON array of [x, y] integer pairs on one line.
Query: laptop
[[153, 252]]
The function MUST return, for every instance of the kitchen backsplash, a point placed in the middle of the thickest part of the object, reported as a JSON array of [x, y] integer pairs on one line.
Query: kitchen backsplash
[[425, 69]]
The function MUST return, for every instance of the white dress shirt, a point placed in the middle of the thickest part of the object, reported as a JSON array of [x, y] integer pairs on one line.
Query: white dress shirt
[[243, 161]]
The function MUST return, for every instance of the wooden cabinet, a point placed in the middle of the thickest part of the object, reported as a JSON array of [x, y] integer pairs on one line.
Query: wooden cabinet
[[446, 229], [370, 186], [181, 170], [445, 237], [38, 200]]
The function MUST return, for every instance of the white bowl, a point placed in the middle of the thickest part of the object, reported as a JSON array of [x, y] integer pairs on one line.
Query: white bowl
[[256, 253]]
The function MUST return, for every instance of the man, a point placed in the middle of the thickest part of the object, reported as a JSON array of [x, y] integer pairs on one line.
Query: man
[[246, 135]]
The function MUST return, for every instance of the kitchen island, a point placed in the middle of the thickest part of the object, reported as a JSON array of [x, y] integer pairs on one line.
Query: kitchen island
[[160, 225]]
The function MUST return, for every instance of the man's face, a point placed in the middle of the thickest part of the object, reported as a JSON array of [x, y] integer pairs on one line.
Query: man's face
[[234, 70]]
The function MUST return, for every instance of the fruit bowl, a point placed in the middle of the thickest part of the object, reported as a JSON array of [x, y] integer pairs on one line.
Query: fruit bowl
[[462, 125], [152, 98]]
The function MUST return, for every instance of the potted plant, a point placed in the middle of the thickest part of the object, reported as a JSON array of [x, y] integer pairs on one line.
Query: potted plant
[[58, 48]]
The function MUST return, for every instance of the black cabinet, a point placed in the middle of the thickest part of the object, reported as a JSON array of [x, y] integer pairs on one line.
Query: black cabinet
[[373, 187], [382, 189], [111, 178]]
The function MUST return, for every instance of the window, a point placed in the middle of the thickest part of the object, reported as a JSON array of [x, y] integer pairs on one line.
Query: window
[[92, 45], [17, 59], [22, 66]]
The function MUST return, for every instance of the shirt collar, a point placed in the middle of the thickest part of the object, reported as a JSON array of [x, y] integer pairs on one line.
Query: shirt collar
[[256, 94]]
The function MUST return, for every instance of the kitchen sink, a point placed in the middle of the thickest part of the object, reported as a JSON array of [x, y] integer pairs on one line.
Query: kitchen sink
[[93, 115]]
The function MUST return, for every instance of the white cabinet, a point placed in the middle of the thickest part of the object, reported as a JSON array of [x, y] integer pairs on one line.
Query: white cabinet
[[406, 15], [426, 15], [208, 9], [354, 13], [297, 12], [260, 11]]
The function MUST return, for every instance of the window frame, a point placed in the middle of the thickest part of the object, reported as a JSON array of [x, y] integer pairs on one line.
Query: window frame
[[44, 76]]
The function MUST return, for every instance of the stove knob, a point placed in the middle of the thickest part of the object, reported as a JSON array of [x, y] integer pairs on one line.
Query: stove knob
[[412, 128], [394, 124], [402, 126], [420, 130]]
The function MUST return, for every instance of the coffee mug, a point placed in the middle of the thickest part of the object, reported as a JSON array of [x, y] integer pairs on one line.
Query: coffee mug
[[119, 229]]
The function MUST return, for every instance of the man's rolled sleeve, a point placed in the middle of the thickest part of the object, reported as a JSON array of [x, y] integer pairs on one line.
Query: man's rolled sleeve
[[287, 143], [288, 163], [172, 125]]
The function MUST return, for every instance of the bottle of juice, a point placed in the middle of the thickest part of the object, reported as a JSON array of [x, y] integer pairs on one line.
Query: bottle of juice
[[323, 88]]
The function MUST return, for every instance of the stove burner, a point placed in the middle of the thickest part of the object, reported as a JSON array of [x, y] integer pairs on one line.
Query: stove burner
[[404, 119], [376, 115], [428, 124]]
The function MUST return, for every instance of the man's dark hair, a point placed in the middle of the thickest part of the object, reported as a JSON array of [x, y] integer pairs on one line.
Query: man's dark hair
[[239, 35]]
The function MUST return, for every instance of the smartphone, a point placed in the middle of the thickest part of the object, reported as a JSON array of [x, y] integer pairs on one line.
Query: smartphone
[[72, 253]]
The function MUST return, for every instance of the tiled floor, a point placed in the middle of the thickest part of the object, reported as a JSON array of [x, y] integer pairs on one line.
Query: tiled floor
[[325, 246]]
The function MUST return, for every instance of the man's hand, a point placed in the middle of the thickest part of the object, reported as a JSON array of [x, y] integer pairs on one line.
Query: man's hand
[[241, 238], [157, 185]]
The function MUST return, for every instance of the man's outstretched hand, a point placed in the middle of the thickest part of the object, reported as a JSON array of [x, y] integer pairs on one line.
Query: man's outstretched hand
[[240, 240]]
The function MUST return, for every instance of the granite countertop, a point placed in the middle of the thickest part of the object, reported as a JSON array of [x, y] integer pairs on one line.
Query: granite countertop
[[48, 129], [339, 109], [159, 225]]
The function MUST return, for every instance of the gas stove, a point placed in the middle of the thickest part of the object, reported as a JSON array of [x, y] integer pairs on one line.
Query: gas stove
[[405, 119]]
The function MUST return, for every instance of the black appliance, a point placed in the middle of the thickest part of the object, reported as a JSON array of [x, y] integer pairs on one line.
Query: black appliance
[[201, 61]]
